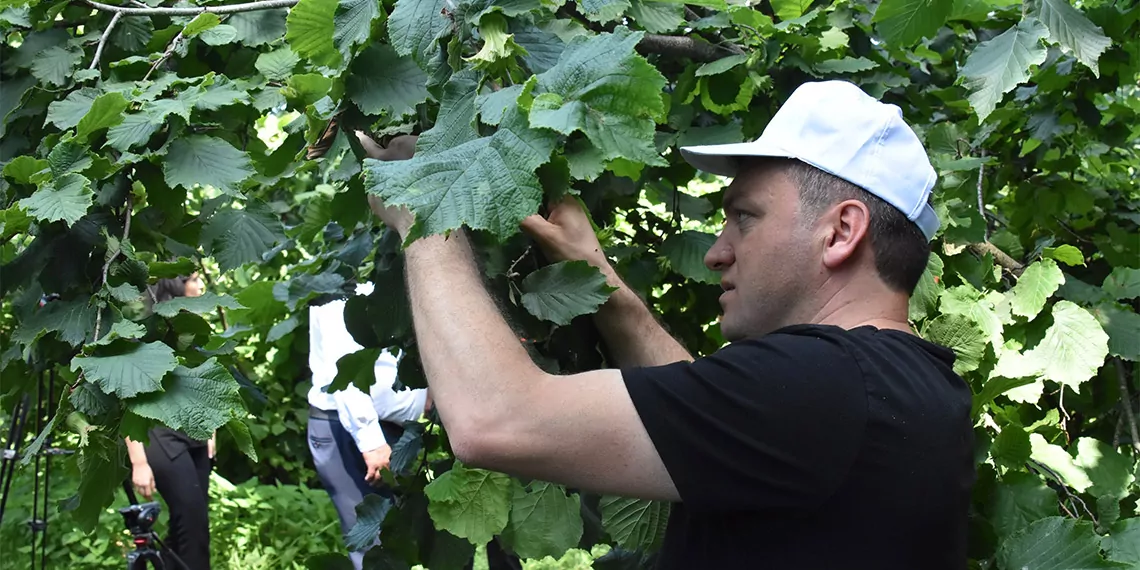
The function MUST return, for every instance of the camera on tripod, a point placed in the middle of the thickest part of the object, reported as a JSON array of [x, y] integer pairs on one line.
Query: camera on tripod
[[140, 518]]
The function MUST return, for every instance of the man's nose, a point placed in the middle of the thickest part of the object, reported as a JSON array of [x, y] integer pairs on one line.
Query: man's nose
[[719, 257]]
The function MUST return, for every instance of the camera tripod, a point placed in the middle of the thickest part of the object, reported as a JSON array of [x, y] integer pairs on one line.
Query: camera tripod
[[140, 518]]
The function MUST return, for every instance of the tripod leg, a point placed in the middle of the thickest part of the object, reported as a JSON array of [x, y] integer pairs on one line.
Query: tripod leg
[[47, 467], [15, 437]]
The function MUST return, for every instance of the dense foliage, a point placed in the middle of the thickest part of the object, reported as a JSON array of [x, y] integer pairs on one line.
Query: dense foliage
[[144, 141]]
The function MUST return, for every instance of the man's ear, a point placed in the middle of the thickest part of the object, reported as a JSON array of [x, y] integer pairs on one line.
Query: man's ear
[[846, 226]]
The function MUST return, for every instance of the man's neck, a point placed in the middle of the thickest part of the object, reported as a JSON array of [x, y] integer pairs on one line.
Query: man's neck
[[871, 304]]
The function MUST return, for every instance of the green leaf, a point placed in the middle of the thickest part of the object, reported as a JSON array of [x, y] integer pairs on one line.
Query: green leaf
[[240, 432], [414, 27], [216, 92], [1054, 543], [236, 237], [564, 290], [581, 94], [74, 321], [259, 27], [196, 401], [1074, 347], [201, 305], [904, 22], [635, 524], [498, 45], [68, 157], [544, 521], [219, 35], [657, 17], [135, 129], [55, 64], [67, 199], [208, 161], [133, 34], [790, 9], [353, 24], [22, 168], [1020, 499], [309, 31], [68, 112], [123, 329], [966, 301], [357, 368], [135, 371], [962, 335], [488, 183], [106, 111], [455, 123], [1123, 328], [277, 65], [382, 81], [171, 269], [1123, 544], [1011, 447], [602, 11], [1060, 462], [470, 503], [845, 65], [998, 65], [1066, 254], [201, 23], [101, 472], [1034, 287], [1110, 472], [1123, 283], [1070, 28], [686, 251], [304, 287], [721, 65], [370, 515]]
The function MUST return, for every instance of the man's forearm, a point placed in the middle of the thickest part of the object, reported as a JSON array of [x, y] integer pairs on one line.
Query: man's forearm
[[630, 330], [475, 365]]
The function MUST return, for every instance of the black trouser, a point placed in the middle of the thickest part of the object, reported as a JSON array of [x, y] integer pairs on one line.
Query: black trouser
[[184, 482]]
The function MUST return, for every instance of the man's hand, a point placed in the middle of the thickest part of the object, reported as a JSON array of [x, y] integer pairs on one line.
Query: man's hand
[[402, 147], [143, 479], [566, 234], [377, 460]]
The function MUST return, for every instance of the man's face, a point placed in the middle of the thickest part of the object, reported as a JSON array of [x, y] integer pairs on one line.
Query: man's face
[[763, 254]]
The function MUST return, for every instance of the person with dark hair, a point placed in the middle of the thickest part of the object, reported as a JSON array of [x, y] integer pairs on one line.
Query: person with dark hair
[[177, 466], [827, 434]]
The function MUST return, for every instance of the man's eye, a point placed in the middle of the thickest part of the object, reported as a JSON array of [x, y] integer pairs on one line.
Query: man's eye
[[743, 216]]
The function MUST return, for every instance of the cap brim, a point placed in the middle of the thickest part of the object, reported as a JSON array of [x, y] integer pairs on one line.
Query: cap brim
[[723, 159]]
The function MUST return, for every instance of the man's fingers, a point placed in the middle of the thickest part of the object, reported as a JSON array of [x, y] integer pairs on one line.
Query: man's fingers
[[371, 147]]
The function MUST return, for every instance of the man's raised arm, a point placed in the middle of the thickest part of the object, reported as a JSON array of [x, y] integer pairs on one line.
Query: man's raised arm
[[630, 330]]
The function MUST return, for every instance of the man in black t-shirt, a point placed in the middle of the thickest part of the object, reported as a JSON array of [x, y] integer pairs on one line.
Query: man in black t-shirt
[[826, 435]]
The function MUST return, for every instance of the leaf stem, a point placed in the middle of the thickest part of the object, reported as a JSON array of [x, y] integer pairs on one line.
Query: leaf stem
[[103, 40], [1126, 401], [165, 55], [229, 9]]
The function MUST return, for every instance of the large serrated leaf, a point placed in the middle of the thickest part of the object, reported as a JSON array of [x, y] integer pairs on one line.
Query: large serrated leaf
[[560, 292], [657, 17], [581, 94], [470, 503], [207, 161], [1054, 543], [455, 123], [1074, 347], [544, 521], [602, 11], [258, 27], [370, 515], [135, 129], [383, 82], [236, 237], [1020, 499], [904, 22], [55, 65], [200, 305], [74, 320], [635, 524], [1059, 462], [998, 65], [1111, 473], [1034, 287], [196, 401], [924, 299], [1123, 328], [1070, 28], [962, 335], [277, 65], [136, 371], [353, 24], [67, 199], [1123, 283], [68, 112], [133, 33], [414, 27], [488, 183], [686, 251], [310, 29], [106, 111]]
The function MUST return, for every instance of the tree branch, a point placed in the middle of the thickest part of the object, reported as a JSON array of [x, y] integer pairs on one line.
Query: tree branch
[[680, 46], [1000, 257], [981, 200], [1126, 400], [103, 40], [111, 258], [165, 55], [230, 9]]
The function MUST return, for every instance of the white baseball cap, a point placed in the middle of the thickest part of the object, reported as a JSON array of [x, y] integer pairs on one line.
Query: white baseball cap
[[836, 127]]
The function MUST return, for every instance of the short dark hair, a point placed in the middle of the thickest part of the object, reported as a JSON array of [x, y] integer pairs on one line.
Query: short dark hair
[[901, 249]]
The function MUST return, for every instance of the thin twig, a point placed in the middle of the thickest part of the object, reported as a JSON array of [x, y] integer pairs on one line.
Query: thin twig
[[1000, 257], [981, 201], [111, 258], [1126, 400], [1065, 417], [1068, 494], [229, 9], [210, 285], [165, 55], [511, 269], [680, 46], [103, 40]]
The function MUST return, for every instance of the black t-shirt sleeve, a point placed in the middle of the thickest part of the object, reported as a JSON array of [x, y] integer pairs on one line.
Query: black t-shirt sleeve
[[771, 423]]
